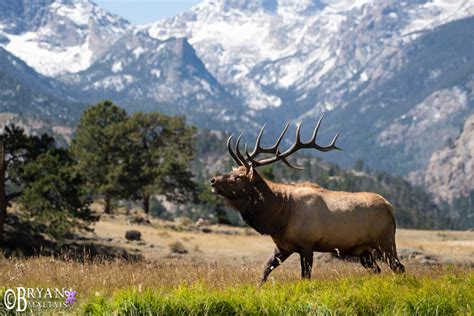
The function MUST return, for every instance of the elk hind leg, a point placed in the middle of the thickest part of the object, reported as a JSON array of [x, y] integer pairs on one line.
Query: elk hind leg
[[368, 262], [389, 254]]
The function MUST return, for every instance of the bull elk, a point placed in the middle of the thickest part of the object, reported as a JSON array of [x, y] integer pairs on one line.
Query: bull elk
[[305, 217]]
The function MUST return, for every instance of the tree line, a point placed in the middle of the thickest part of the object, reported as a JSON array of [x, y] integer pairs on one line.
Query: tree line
[[112, 156]]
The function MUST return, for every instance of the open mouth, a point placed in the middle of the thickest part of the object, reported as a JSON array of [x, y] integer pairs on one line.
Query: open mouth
[[220, 192]]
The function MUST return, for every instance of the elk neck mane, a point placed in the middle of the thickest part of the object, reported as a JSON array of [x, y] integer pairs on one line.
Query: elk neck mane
[[265, 207]]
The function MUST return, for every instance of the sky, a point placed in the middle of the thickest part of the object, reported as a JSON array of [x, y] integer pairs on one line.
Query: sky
[[146, 11]]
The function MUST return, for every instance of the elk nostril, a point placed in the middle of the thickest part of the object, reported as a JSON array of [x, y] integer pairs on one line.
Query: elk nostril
[[213, 180]]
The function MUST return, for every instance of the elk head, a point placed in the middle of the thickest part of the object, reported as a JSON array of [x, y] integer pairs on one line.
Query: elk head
[[239, 183]]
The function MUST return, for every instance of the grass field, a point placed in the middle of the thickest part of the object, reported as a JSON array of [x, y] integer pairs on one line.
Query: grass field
[[219, 270], [427, 295], [186, 288]]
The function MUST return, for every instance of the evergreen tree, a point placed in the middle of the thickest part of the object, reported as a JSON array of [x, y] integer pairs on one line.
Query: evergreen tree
[[16, 150], [101, 148], [54, 193], [161, 156], [39, 175]]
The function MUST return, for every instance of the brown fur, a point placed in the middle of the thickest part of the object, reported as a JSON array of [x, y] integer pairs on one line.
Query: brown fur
[[264, 208], [305, 217]]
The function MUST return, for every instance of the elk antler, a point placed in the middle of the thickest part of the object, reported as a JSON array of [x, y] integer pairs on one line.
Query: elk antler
[[258, 149], [232, 154], [239, 158]]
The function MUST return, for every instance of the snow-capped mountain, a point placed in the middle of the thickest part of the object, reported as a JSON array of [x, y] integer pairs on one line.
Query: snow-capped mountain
[[58, 36], [311, 53], [418, 107], [383, 65], [146, 74], [97, 55]]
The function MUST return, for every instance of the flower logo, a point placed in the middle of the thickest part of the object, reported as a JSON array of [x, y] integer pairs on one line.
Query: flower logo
[[70, 297]]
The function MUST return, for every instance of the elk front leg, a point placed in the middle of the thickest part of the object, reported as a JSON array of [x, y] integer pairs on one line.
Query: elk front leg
[[306, 260], [278, 258]]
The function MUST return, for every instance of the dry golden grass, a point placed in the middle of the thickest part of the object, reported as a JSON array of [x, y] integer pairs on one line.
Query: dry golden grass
[[105, 277], [232, 257]]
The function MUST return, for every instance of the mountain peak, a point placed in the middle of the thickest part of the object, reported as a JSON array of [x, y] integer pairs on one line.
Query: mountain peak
[[57, 36], [19, 16]]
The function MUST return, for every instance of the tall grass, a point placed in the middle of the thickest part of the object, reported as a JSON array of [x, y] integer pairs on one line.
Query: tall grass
[[416, 295], [182, 287]]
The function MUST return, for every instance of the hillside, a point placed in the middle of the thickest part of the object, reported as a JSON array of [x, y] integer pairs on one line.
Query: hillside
[[24, 91], [449, 176], [451, 168], [145, 74]]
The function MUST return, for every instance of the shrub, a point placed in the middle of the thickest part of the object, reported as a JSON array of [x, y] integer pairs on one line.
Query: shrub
[[177, 247]]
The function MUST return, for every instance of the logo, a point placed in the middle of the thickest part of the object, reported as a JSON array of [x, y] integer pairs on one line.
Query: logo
[[71, 297], [20, 299]]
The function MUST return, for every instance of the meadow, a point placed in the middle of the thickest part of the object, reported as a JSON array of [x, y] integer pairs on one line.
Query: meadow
[[218, 272]]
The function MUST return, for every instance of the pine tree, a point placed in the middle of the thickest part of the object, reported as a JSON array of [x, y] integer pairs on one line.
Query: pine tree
[[54, 192], [161, 155], [101, 149], [40, 176], [16, 150]]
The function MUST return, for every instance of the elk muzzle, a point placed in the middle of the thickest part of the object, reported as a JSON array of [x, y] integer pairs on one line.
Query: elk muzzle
[[215, 183]]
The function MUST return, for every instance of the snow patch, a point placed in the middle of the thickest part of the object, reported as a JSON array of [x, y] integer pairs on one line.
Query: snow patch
[[117, 82], [156, 73], [437, 12], [138, 51], [49, 61], [256, 98], [117, 67]]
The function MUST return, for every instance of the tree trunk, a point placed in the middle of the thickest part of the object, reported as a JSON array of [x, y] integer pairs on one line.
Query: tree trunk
[[108, 204], [146, 203], [3, 198]]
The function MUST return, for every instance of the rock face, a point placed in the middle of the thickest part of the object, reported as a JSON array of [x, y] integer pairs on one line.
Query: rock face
[[146, 74], [24, 91], [450, 172]]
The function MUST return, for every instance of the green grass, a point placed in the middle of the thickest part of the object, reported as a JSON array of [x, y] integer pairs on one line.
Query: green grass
[[450, 294]]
